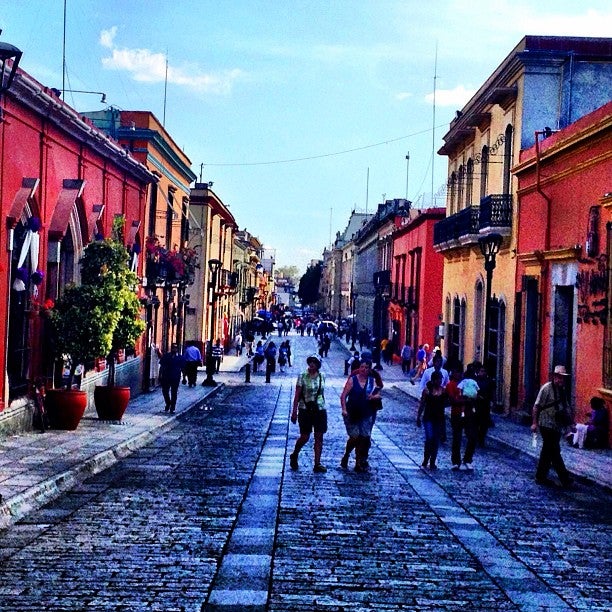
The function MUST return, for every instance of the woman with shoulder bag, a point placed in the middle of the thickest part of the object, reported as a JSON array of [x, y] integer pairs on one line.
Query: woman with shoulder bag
[[309, 411], [358, 414]]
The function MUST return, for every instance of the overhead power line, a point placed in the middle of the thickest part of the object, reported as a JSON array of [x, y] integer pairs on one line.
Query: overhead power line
[[322, 155]]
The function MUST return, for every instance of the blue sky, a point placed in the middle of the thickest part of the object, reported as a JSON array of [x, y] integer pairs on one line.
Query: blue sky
[[291, 104]]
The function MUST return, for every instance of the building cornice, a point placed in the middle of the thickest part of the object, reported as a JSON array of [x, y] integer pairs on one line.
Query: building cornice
[[27, 92], [556, 255]]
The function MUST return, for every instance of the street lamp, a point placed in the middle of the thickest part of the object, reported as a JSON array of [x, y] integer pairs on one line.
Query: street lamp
[[213, 265], [489, 247], [7, 52]]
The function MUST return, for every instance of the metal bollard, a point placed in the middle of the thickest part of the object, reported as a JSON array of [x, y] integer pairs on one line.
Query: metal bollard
[[247, 372], [268, 371], [346, 367]]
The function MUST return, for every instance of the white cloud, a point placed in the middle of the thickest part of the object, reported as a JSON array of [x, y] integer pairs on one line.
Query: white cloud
[[403, 95], [107, 37], [591, 23], [456, 97], [145, 66]]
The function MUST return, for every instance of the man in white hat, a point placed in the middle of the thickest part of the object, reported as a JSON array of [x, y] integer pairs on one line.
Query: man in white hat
[[551, 399]]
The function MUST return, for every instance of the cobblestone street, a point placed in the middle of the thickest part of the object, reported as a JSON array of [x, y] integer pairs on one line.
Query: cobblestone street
[[209, 516]]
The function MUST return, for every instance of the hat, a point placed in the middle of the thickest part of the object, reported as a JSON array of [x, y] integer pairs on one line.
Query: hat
[[426, 346], [315, 358], [559, 369]]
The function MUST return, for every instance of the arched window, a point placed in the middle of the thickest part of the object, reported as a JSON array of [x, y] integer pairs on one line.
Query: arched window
[[460, 188], [478, 318], [452, 190], [484, 171], [469, 182], [507, 159], [496, 356], [18, 355]]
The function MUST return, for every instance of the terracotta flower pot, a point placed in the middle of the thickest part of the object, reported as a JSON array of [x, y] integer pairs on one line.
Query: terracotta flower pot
[[65, 408], [111, 402]]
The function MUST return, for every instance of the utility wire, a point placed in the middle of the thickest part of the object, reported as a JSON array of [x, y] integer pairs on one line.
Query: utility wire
[[298, 159]]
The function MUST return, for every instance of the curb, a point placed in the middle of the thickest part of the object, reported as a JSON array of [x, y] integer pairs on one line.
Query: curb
[[18, 506]]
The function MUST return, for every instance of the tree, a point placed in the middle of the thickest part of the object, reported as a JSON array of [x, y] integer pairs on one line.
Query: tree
[[308, 291], [102, 314], [290, 272]]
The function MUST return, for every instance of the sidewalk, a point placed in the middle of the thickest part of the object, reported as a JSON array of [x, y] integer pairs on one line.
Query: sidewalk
[[594, 465]]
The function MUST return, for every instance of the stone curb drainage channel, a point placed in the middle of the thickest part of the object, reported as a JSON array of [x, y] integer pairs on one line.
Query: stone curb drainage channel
[[243, 577]]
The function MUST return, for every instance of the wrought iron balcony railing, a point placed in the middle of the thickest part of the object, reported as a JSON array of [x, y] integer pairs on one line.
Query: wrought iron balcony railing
[[460, 228], [496, 213]]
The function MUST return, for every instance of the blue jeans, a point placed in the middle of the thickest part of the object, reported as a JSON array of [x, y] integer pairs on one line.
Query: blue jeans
[[433, 430]]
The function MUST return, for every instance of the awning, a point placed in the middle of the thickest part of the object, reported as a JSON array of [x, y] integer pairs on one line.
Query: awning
[[71, 190], [27, 190], [92, 218], [132, 230]]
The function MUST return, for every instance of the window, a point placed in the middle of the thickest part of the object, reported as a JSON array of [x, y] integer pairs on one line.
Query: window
[[484, 170], [460, 186], [507, 159], [478, 319], [469, 182]]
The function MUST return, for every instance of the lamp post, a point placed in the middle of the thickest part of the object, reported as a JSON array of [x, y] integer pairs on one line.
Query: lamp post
[[213, 266], [7, 52], [489, 247]]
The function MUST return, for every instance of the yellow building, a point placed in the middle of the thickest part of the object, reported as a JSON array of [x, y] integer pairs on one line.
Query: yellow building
[[545, 83]]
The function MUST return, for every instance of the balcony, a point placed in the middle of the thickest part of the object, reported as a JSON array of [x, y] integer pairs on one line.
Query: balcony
[[457, 230], [496, 214], [464, 228]]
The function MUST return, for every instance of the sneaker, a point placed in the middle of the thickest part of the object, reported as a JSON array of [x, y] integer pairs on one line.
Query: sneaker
[[456, 467], [468, 465], [293, 462], [344, 461], [319, 468]]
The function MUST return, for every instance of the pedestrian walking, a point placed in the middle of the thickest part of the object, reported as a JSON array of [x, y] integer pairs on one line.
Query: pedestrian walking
[[551, 415], [406, 356], [270, 353], [259, 355], [421, 362], [238, 344], [171, 366], [193, 360], [282, 357], [431, 409], [358, 414], [309, 412], [217, 355], [462, 420]]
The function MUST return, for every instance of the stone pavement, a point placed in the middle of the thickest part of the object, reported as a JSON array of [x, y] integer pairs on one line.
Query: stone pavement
[[35, 468]]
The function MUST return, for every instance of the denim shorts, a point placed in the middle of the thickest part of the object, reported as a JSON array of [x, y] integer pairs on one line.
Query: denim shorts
[[312, 420], [361, 427]]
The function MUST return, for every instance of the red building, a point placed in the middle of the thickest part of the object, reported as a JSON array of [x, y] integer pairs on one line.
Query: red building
[[563, 273], [416, 279], [62, 182]]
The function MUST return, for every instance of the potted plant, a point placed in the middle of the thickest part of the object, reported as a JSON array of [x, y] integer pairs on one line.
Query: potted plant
[[100, 316]]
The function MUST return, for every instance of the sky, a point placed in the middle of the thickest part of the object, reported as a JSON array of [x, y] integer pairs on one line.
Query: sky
[[299, 111]]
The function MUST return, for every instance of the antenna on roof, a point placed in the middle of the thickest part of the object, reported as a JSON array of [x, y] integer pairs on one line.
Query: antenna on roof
[[165, 90]]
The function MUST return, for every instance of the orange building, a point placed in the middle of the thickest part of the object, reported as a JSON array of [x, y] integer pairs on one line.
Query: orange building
[[563, 254]]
